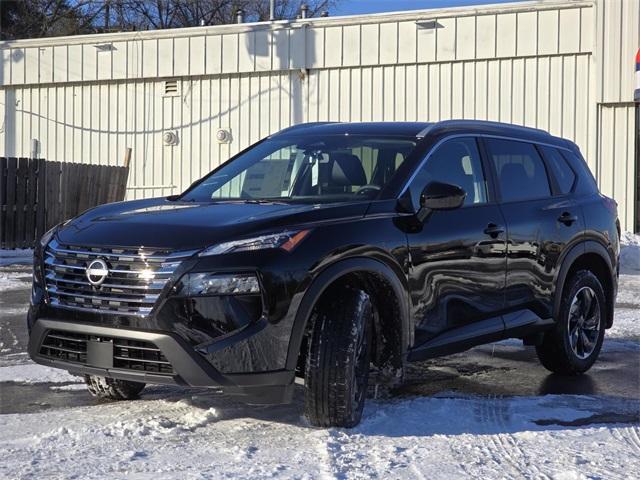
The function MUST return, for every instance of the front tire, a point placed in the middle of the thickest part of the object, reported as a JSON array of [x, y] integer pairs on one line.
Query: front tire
[[573, 346], [112, 389], [338, 358]]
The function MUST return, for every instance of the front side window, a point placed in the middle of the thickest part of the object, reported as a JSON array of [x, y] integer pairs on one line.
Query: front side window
[[457, 162], [520, 169], [316, 169]]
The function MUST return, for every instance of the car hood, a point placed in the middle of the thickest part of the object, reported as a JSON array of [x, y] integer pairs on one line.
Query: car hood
[[161, 223]]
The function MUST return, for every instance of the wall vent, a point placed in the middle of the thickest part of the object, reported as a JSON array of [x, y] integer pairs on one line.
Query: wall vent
[[171, 88]]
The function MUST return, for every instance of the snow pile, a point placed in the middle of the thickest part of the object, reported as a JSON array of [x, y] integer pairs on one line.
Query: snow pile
[[630, 253], [14, 280], [16, 257], [34, 373]]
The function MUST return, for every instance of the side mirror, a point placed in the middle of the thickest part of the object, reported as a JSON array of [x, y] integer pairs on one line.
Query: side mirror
[[440, 196]]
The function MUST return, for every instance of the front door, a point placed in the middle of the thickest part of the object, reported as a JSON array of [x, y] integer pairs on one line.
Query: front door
[[458, 257]]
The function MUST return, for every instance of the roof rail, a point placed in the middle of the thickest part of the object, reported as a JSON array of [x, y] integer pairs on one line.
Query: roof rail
[[299, 126], [488, 123]]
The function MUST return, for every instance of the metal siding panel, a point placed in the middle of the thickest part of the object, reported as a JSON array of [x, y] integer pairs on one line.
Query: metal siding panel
[[517, 91], [569, 41], [456, 89], [530, 91], [17, 66], [434, 93], [556, 102], [119, 61], [213, 54], [426, 45], [333, 47], [315, 47], [105, 64], [422, 94], [482, 90], [493, 90], [246, 50], [527, 33], [547, 32], [506, 35], [466, 38], [370, 44], [181, 57], [400, 90], [150, 58], [505, 93], [388, 43], [366, 83], [280, 50], [568, 97], [351, 48], [297, 48], [166, 57], [230, 53], [407, 42], [587, 37], [377, 93], [486, 36], [446, 40], [32, 67], [60, 65], [74, 66], [47, 64], [411, 92], [543, 102], [197, 55]]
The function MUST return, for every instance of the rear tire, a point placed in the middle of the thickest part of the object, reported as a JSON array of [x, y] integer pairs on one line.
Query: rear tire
[[112, 389], [573, 346], [338, 358]]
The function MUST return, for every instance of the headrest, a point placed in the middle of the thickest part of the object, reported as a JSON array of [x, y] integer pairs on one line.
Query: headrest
[[346, 170]]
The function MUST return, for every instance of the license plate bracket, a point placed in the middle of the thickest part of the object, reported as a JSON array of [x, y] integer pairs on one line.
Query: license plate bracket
[[100, 354]]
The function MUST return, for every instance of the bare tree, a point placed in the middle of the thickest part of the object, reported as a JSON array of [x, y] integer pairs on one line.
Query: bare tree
[[44, 18]]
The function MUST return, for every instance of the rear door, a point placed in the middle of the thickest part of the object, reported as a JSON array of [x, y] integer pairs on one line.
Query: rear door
[[458, 257], [543, 220]]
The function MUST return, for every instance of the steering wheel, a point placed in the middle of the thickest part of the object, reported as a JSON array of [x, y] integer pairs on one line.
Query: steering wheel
[[364, 190]]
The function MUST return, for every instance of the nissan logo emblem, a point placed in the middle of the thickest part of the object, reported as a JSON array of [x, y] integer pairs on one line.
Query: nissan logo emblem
[[97, 272]]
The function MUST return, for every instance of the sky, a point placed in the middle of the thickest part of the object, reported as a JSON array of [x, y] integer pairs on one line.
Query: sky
[[354, 7]]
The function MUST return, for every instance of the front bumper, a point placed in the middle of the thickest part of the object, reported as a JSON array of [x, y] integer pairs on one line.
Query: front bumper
[[185, 365]]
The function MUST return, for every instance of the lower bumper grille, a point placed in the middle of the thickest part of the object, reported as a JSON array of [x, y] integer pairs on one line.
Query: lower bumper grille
[[135, 355]]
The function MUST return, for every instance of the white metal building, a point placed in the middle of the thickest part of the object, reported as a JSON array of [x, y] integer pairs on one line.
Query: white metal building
[[563, 66]]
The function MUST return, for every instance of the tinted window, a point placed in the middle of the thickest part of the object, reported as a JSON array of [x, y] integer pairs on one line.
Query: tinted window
[[561, 170], [457, 162], [308, 168], [521, 172], [586, 181]]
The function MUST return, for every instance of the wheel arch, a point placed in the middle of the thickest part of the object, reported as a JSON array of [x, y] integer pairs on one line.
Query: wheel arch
[[368, 268], [592, 256]]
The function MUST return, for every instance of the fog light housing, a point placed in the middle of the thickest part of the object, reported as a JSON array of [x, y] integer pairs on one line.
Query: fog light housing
[[199, 284]]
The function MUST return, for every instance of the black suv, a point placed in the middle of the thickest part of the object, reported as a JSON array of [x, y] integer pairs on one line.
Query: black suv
[[332, 252]]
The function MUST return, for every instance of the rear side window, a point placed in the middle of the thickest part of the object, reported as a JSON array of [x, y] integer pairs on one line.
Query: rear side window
[[586, 181], [520, 169], [564, 175]]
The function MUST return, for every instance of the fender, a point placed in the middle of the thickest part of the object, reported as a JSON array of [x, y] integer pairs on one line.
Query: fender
[[588, 246], [328, 276]]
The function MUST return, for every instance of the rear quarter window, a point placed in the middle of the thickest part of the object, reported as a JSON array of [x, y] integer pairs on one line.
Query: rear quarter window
[[563, 173], [586, 182]]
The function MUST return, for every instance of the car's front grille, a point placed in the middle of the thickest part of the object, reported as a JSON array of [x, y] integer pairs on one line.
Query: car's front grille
[[128, 354], [134, 281]]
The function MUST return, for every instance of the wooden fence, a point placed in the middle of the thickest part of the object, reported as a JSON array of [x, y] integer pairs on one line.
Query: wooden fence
[[36, 194]]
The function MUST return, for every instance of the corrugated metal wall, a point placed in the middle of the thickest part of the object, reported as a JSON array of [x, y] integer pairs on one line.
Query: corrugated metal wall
[[86, 99]]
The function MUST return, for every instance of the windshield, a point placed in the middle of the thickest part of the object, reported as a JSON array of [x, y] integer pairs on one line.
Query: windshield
[[317, 169]]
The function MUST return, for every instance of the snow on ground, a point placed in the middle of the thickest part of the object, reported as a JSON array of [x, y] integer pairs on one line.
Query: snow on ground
[[16, 257], [174, 433], [33, 373]]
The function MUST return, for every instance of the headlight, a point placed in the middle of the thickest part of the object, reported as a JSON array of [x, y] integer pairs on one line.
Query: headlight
[[220, 284], [46, 238], [285, 240]]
